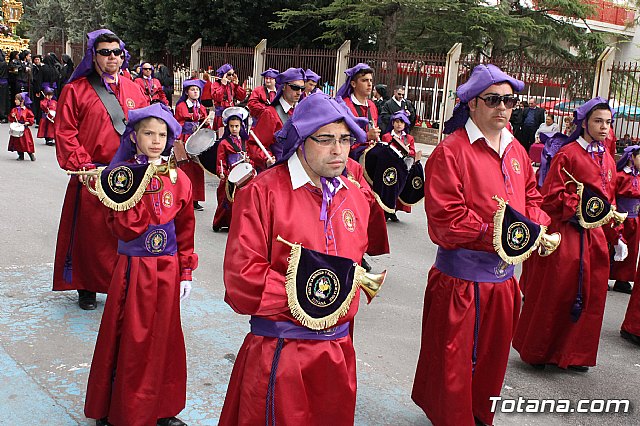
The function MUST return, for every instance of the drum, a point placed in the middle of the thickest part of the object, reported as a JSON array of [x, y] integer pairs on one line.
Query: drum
[[238, 177], [386, 172], [200, 145], [51, 115], [413, 190], [16, 129], [179, 153]]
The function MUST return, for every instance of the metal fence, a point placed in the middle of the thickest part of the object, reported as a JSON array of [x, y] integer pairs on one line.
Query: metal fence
[[241, 58], [322, 62], [53, 47], [624, 97]]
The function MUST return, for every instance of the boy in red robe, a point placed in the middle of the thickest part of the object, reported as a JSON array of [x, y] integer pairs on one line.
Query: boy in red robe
[[48, 107], [23, 115], [472, 299], [565, 293], [262, 96], [139, 372], [302, 376]]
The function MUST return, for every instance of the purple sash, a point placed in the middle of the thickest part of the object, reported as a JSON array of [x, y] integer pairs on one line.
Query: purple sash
[[629, 205], [158, 240], [473, 265], [288, 330], [219, 110], [4, 81]]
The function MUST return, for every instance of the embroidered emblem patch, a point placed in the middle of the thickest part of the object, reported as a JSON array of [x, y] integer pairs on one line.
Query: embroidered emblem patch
[[417, 182], [517, 235], [167, 199], [390, 176], [501, 270], [156, 241], [322, 288], [120, 179], [349, 220], [515, 165], [130, 103], [595, 206]]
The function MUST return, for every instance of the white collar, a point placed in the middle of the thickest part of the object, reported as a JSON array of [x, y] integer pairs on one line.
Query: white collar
[[474, 134], [584, 144], [190, 103], [147, 78], [393, 133], [285, 105], [628, 170], [357, 102], [299, 176], [399, 102]]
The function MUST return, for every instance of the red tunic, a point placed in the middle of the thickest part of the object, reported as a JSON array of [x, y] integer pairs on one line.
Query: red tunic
[[226, 155], [258, 101], [191, 168], [267, 126], [631, 322], [152, 88], [546, 334], [370, 112], [315, 380], [410, 141], [462, 179], [25, 142], [84, 135], [207, 94], [224, 96], [47, 129], [139, 369], [627, 186]]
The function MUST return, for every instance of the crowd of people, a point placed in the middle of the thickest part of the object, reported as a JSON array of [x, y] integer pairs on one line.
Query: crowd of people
[[307, 185]]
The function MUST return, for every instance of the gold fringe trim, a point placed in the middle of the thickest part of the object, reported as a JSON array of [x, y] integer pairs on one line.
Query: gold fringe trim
[[362, 161], [292, 293], [588, 225], [227, 190], [383, 205], [498, 219], [134, 199], [353, 180]]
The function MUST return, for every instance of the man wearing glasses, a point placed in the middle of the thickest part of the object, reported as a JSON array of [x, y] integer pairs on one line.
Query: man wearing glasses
[[472, 299], [227, 92], [290, 85], [303, 376], [150, 85], [87, 135], [397, 103]]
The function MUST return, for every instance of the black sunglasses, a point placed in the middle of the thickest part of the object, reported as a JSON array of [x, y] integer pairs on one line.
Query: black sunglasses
[[147, 69], [493, 101], [295, 87], [108, 52]]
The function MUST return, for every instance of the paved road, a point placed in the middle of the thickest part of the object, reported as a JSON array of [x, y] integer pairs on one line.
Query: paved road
[[46, 342]]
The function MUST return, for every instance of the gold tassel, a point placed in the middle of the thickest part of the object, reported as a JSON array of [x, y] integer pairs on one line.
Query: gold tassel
[[135, 198]]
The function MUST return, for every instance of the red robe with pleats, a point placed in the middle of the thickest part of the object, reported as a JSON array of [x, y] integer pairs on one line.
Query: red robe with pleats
[[47, 128], [461, 179], [84, 135], [139, 370], [627, 186], [191, 168], [226, 156], [267, 126], [315, 380], [259, 100], [23, 143], [631, 323], [546, 333]]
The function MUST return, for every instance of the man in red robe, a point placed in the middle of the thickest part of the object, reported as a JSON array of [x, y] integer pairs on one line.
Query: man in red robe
[[86, 137], [302, 376], [565, 293], [150, 85], [291, 85], [472, 299], [262, 96]]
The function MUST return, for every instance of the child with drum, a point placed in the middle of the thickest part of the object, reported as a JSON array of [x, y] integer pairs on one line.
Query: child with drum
[[48, 107], [20, 118], [234, 167]]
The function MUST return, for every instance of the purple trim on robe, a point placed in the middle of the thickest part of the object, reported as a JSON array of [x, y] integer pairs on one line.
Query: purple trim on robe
[[473, 265], [158, 240], [288, 330], [629, 205]]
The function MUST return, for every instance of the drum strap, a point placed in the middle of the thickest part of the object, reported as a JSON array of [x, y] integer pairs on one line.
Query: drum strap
[[284, 117], [233, 145], [361, 112], [110, 102]]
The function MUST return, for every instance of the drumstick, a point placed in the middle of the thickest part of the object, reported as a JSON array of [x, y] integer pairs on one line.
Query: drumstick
[[264, 150]]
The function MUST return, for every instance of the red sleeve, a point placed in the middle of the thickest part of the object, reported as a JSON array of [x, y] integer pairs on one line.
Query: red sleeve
[[129, 224], [43, 105], [257, 102], [265, 129], [185, 223], [412, 145], [223, 165], [29, 118], [182, 113], [70, 153], [160, 92], [217, 90], [241, 93], [386, 137]]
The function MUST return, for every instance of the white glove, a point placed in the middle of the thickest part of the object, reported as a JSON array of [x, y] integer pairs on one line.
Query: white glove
[[185, 290], [622, 251]]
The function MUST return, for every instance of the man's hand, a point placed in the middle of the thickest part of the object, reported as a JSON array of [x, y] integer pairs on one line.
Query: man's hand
[[271, 161], [373, 134]]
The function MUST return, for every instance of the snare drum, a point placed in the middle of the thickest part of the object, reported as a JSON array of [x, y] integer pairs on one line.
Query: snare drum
[[16, 129], [238, 177]]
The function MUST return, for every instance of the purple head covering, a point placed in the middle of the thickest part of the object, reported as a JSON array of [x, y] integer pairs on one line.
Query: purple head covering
[[223, 70], [86, 65], [185, 87], [26, 99], [289, 75], [47, 90], [399, 115], [345, 90], [127, 149], [626, 156], [239, 113], [482, 77], [310, 75], [552, 144], [271, 72]]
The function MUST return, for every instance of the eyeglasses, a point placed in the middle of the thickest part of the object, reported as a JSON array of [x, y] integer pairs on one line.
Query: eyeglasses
[[108, 52], [230, 74], [493, 101], [344, 140], [295, 87], [147, 69]]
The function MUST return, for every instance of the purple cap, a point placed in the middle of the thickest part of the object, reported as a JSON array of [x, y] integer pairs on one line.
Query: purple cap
[[47, 90], [127, 149], [482, 77], [313, 112], [399, 115], [223, 70], [291, 74], [271, 72], [86, 65], [345, 90], [26, 98], [628, 153], [310, 75], [185, 87]]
